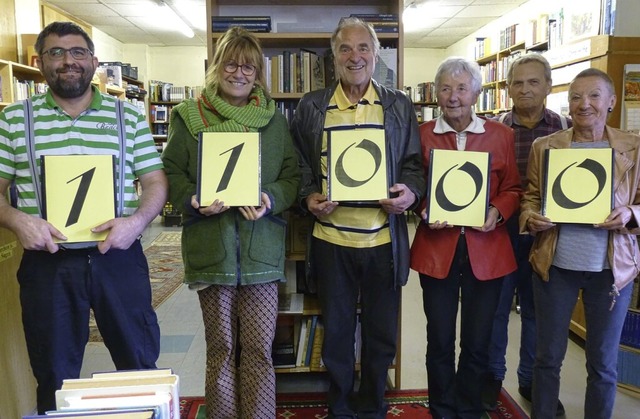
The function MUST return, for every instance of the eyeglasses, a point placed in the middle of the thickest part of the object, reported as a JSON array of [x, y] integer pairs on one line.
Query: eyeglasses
[[247, 69], [78, 53]]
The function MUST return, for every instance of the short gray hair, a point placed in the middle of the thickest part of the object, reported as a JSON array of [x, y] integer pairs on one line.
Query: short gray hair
[[349, 22], [594, 72], [457, 65], [529, 58]]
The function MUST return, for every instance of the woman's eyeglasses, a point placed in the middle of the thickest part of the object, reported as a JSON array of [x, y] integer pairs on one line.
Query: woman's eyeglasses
[[247, 69], [78, 53]]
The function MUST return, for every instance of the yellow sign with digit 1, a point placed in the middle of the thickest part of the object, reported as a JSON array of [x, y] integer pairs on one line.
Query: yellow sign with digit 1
[[229, 169], [78, 194]]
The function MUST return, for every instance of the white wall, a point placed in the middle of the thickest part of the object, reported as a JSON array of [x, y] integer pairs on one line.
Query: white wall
[[182, 66], [420, 64]]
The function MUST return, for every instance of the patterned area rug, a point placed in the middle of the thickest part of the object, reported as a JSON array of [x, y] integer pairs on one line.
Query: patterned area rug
[[165, 270], [405, 404]]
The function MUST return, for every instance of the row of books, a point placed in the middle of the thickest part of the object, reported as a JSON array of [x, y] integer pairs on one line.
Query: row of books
[[423, 92], [250, 23], [136, 394], [629, 367], [497, 70], [631, 329], [490, 99], [298, 342], [537, 30], [427, 113], [381, 22], [23, 89], [295, 72], [482, 48], [509, 36]]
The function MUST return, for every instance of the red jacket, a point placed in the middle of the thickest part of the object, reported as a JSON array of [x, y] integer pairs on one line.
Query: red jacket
[[490, 254]]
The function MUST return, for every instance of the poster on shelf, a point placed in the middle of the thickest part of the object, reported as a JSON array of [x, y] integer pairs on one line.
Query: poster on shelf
[[630, 107]]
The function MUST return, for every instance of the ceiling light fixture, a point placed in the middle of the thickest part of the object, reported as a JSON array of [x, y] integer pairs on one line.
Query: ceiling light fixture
[[411, 17], [173, 19]]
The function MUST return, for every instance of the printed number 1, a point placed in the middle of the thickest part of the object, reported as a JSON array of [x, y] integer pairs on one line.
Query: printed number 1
[[231, 166], [81, 195]]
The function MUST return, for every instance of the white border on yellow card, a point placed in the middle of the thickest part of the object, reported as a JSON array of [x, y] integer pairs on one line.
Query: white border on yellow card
[[357, 165], [458, 187], [229, 169], [578, 185], [79, 194]]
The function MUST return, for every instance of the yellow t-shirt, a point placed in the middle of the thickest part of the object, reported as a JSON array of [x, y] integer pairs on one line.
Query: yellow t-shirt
[[354, 224]]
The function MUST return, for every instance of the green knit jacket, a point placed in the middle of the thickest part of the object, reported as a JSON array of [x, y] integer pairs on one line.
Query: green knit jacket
[[227, 249]]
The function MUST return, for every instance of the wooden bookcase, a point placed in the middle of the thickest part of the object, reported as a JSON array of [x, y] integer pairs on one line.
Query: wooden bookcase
[[604, 52], [11, 71], [314, 24], [493, 97]]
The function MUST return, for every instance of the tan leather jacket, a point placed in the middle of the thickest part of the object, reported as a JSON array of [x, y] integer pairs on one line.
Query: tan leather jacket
[[623, 250]]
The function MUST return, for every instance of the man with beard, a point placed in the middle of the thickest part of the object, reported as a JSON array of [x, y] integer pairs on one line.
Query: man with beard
[[60, 281]]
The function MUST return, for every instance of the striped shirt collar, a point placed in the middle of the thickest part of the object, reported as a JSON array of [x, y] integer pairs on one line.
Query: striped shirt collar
[[343, 103], [96, 101], [476, 126]]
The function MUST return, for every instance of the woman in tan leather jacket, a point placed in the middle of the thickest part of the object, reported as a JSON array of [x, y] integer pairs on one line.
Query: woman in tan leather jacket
[[599, 259]]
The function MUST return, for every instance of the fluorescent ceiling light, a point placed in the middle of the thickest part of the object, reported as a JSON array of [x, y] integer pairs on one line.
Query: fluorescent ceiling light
[[169, 18]]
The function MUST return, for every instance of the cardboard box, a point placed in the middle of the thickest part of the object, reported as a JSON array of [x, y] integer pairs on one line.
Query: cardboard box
[[114, 73], [28, 52]]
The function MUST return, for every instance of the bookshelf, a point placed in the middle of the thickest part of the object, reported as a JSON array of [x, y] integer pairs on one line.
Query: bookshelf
[[494, 97], [313, 23], [307, 25], [18, 81], [159, 112]]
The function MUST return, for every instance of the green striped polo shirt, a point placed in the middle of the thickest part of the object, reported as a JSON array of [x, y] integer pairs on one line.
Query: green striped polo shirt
[[92, 132], [352, 224]]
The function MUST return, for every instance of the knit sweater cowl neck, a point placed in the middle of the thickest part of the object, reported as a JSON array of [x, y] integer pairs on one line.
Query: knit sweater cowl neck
[[211, 113]]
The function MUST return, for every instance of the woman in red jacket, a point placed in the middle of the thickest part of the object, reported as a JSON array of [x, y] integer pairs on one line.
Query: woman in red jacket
[[464, 264]]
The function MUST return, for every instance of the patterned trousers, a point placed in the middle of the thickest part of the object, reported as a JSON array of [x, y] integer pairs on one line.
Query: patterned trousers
[[239, 327]]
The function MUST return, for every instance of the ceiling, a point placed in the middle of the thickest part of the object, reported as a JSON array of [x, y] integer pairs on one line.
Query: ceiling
[[428, 23]]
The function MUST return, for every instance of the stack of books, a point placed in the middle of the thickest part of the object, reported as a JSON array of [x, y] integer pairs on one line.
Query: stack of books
[[381, 22], [138, 394], [250, 23]]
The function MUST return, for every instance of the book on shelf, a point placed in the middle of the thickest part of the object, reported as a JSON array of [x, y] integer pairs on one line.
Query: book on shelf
[[290, 303], [303, 338], [121, 413], [317, 72], [250, 23], [283, 348], [315, 362], [629, 367], [381, 23], [386, 71], [631, 329], [309, 346]]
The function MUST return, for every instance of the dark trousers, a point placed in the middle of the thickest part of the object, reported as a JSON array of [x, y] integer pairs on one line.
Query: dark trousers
[[458, 394], [56, 292], [344, 274]]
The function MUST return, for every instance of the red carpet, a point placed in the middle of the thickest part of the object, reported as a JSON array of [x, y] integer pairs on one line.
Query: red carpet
[[405, 404]]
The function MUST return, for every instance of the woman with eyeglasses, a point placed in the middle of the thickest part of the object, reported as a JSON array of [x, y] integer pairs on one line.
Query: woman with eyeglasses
[[234, 256]]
